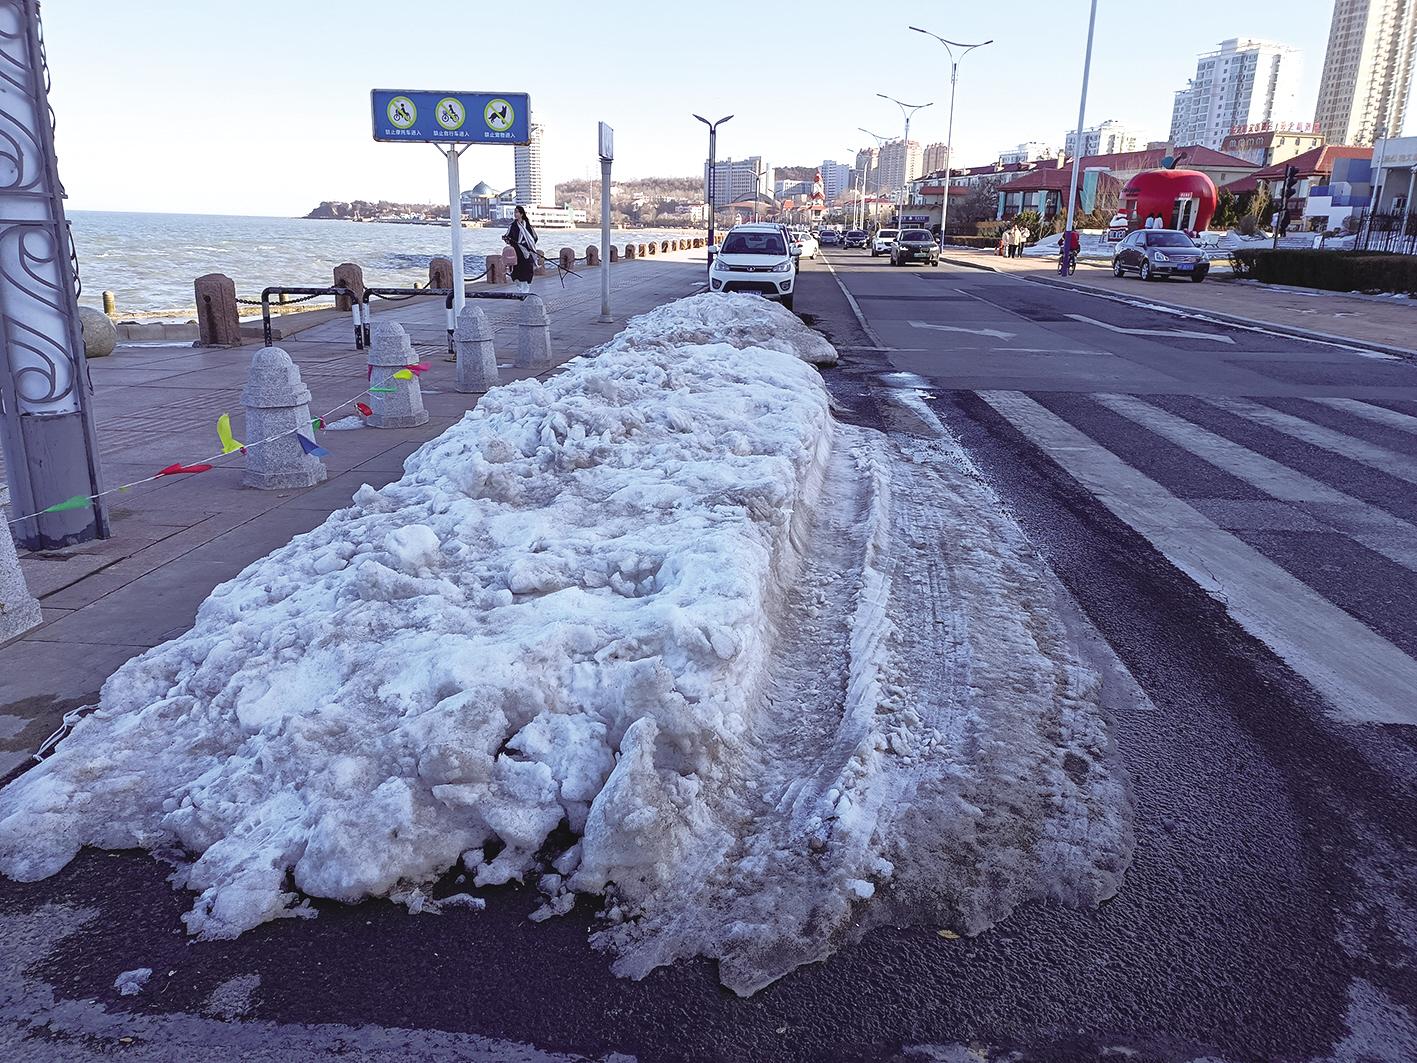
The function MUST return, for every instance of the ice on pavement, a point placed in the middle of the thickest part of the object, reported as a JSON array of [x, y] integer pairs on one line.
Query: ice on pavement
[[131, 983], [656, 630]]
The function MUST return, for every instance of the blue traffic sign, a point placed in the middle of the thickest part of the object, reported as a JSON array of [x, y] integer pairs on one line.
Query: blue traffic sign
[[459, 117]]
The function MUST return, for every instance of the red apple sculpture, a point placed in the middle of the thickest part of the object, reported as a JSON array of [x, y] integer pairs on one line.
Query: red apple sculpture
[[1185, 199]]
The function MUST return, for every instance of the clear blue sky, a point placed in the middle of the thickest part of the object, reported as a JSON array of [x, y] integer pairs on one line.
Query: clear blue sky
[[262, 107]]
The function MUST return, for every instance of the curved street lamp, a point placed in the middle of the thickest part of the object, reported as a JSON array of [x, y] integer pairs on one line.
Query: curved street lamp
[[713, 159], [908, 110], [965, 49], [880, 143]]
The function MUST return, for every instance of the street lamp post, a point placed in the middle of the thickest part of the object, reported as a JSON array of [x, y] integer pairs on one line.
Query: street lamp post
[[1077, 144], [950, 46], [756, 178], [713, 158], [880, 146], [908, 110]]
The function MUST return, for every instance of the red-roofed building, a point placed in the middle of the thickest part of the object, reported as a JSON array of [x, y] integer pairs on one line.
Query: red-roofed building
[[1315, 170], [1046, 192]]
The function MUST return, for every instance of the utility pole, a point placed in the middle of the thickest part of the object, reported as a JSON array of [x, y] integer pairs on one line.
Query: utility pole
[[1077, 146], [606, 140], [46, 398], [950, 134]]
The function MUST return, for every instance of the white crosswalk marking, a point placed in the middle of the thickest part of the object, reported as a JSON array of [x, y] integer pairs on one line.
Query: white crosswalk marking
[[1370, 412], [1377, 530], [1346, 446], [1362, 676]]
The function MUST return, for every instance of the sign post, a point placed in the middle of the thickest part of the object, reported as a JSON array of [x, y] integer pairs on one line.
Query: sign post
[[607, 156], [452, 121]]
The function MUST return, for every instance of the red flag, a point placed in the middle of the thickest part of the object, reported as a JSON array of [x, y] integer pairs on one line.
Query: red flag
[[173, 470], [365, 410]]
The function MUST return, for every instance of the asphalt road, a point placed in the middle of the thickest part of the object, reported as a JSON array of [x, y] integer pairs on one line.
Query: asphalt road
[[1262, 599]]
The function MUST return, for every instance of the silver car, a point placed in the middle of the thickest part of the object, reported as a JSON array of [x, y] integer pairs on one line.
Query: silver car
[[1157, 253]]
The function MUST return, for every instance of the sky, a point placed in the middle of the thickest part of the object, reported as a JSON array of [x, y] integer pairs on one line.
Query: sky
[[263, 108]]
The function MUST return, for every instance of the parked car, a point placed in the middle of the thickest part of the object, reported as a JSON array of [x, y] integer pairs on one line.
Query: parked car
[[755, 258], [881, 244], [1158, 253], [854, 238], [830, 238], [915, 245], [809, 244]]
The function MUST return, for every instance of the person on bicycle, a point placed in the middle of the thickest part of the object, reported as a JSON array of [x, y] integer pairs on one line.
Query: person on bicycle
[[1072, 246]]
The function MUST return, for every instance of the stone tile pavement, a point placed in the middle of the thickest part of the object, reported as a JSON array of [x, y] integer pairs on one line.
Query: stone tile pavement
[[177, 538]]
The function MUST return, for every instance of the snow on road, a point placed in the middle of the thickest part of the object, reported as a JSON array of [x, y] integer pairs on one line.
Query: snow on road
[[781, 679]]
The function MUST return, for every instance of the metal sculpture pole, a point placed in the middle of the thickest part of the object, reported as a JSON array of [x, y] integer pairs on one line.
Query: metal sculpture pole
[[51, 451]]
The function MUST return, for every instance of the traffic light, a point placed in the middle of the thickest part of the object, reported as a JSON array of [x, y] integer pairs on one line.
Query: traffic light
[[1291, 187]]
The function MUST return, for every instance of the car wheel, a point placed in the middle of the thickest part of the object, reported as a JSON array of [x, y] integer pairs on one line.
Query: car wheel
[[1116, 267], [1196, 278], [787, 301], [1146, 270]]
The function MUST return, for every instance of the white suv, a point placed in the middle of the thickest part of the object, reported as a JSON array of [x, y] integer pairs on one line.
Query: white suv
[[882, 241], [755, 258]]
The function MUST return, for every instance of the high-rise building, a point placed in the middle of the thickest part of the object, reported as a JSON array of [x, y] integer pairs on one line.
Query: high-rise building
[[1027, 152], [1367, 70], [900, 163], [868, 161], [1243, 82], [836, 179], [735, 179], [935, 157], [526, 159], [1109, 138]]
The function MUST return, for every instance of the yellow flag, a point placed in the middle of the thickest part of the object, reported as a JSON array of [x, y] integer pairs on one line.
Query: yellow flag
[[223, 432], [404, 374]]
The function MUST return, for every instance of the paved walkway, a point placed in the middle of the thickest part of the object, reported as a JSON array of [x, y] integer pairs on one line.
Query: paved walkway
[[177, 538], [1365, 319]]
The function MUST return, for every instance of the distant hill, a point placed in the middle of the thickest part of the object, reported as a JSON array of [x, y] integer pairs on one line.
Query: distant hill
[[365, 210], [793, 173]]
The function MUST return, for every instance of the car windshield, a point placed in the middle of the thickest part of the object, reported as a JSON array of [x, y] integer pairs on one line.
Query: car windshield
[[1169, 240], [856, 234], [754, 244], [887, 234], [916, 235]]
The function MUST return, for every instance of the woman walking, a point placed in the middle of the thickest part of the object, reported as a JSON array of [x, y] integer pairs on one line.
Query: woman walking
[[522, 238]]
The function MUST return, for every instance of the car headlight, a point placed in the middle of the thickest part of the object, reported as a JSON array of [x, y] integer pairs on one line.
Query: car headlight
[[783, 267], [1157, 256], [719, 264]]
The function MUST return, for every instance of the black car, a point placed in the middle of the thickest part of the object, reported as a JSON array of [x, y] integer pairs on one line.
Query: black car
[[1158, 253], [915, 245], [830, 238], [854, 238]]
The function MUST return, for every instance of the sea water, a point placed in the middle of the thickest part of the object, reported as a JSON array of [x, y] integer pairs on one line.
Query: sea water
[[149, 261]]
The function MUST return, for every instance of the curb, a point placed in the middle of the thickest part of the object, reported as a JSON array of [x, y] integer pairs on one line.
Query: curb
[[972, 265], [1246, 322]]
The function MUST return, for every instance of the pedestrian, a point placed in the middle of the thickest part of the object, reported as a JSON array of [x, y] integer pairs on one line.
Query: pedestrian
[[522, 239], [1013, 240]]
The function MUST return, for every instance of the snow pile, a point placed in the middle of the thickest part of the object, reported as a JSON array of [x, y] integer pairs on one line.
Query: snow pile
[[131, 983], [728, 317], [447, 669]]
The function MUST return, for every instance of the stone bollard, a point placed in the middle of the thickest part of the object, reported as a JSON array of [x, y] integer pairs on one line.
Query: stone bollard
[[592, 255], [18, 609], [630, 252], [349, 275], [276, 401], [440, 273], [218, 320], [650, 248], [614, 253], [664, 247], [477, 358], [496, 270], [389, 351], [99, 333], [533, 335], [567, 258]]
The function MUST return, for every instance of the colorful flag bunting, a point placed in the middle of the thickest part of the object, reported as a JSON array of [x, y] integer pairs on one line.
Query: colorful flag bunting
[[365, 410], [317, 423], [404, 374], [382, 391], [77, 502], [175, 469], [310, 446], [421, 367], [229, 444]]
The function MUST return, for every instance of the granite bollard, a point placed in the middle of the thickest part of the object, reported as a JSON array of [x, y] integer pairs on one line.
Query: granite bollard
[[19, 612], [629, 252], [389, 351], [440, 273], [533, 335], [497, 270], [592, 255], [349, 275], [566, 259], [476, 355], [652, 247], [218, 320], [277, 401]]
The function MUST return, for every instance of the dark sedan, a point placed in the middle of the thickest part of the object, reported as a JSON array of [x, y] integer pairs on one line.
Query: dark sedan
[[915, 245], [1157, 253], [854, 238]]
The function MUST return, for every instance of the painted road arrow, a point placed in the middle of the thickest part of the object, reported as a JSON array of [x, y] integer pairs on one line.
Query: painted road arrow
[[1217, 336], [972, 331]]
